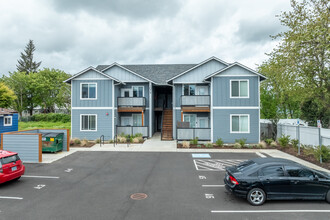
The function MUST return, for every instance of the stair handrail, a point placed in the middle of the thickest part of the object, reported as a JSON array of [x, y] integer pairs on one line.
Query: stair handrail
[[161, 125]]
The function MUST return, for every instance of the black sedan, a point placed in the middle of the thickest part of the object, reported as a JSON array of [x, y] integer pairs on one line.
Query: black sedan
[[273, 178]]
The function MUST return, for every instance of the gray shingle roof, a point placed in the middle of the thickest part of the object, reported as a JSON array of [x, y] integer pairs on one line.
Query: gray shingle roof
[[157, 73]]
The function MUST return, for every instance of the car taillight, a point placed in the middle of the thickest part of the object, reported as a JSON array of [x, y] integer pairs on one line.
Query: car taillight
[[233, 180]]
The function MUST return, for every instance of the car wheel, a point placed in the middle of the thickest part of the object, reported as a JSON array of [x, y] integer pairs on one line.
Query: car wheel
[[327, 197], [17, 178], [256, 196]]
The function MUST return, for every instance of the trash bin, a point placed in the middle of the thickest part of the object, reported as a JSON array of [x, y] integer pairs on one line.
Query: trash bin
[[52, 142]]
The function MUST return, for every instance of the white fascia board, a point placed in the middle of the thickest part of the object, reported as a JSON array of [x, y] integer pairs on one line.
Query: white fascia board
[[198, 65], [91, 68], [91, 108], [236, 107], [230, 66], [116, 64]]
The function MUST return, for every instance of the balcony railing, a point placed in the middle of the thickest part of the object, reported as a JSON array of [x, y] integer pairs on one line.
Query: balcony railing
[[195, 100], [203, 134], [133, 130], [131, 101]]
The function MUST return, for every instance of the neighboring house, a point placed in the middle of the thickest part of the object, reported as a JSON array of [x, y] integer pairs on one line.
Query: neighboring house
[[209, 100], [8, 120]]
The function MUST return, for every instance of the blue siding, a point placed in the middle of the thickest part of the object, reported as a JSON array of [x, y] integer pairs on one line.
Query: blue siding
[[178, 93], [14, 127], [221, 125], [104, 94], [221, 92], [104, 124], [91, 74], [123, 75]]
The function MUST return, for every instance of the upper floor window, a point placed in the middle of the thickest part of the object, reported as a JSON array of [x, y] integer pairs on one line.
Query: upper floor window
[[88, 91], [137, 91], [8, 121], [239, 124], [189, 89], [239, 88]]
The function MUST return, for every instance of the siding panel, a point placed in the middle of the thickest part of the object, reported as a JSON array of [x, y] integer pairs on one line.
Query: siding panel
[[123, 75]]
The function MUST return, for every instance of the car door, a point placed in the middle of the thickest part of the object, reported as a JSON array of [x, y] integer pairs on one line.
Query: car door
[[304, 184], [274, 181]]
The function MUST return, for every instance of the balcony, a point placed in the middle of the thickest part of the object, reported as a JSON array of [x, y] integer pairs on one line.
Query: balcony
[[131, 104], [203, 134], [195, 103], [133, 130]]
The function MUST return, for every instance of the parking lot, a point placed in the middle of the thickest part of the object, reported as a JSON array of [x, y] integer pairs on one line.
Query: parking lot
[[99, 185]]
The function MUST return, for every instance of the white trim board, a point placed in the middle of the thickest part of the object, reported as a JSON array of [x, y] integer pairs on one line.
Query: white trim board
[[91, 108], [90, 79], [235, 107]]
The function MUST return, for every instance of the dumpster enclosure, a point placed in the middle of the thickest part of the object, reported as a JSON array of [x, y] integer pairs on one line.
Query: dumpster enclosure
[[28, 143]]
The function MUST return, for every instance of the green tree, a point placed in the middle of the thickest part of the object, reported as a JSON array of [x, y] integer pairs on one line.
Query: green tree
[[26, 63], [7, 96], [51, 90]]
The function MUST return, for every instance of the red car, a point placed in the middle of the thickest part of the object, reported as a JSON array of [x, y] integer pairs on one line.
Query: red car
[[11, 166]]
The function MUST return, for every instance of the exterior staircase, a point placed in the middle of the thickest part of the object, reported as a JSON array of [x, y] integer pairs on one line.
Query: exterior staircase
[[167, 127]]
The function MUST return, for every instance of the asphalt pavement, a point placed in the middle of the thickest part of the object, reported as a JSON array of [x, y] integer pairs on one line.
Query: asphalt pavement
[[99, 185]]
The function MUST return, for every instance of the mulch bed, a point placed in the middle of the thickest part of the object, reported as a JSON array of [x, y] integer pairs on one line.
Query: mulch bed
[[78, 145], [289, 150]]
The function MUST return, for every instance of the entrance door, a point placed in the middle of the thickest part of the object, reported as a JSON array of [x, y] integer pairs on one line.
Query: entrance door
[[203, 122]]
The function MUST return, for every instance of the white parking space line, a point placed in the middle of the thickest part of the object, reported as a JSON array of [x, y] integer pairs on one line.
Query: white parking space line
[[260, 154], [42, 177], [214, 164], [270, 211], [8, 197], [213, 185]]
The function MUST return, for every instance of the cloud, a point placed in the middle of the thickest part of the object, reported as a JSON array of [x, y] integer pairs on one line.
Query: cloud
[[72, 35]]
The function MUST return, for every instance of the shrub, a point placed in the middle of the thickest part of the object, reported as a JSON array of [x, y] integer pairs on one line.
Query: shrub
[[121, 139], [208, 144], [71, 142], [262, 144], [269, 141], [138, 135], [97, 141], [323, 152], [84, 142], [194, 141], [294, 143], [111, 141], [284, 140], [140, 138], [241, 141], [77, 141], [273, 144], [136, 140], [219, 142], [198, 145], [51, 117], [308, 149], [237, 146], [185, 144]]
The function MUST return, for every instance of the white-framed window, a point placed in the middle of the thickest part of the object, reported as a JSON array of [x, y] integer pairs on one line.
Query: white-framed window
[[239, 88], [88, 91], [88, 122], [239, 123], [126, 92], [138, 91], [8, 121], [191, 118], [189, 89]]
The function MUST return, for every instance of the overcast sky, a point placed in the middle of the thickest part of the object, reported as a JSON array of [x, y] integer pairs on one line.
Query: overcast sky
[[73, 34]]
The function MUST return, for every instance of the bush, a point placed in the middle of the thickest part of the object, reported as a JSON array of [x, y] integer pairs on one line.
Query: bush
[[121, 139], [219, 142], [284, 140], [241, 141], [111, 141], [323, 152], [84, 142], [209, 145], [262, 144], [198, 145], [269, 141], [294, 143], [77, 141], [97, 141], [273, 144], [237, 146], [136, 140], [194, 141], [138, 135], [185, 144], [51, 117]]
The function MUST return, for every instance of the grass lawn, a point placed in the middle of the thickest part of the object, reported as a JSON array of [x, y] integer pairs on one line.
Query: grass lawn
[[42, 124]]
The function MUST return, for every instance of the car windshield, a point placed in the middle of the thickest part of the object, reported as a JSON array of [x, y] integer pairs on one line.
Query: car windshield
[[10, 159], [245, 165]]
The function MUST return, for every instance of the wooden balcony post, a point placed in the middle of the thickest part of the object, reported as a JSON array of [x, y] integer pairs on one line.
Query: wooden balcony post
[[181, 116], [142, 118]]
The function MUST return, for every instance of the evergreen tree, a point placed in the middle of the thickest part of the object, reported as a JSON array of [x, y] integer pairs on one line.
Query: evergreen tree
[[26, 63]]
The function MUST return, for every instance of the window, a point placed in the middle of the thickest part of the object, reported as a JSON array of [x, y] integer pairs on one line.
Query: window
[[88, 91], [273, 171], [203, 122], [240, 124], [191, 119], [239, 88], [299, 172], [8, 121], [202, 90], [137, 119], [189, 89], [137, 91], [88, 123], [126, 121]]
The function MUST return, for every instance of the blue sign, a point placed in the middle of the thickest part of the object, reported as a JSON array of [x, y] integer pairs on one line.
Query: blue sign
[[201, 155]]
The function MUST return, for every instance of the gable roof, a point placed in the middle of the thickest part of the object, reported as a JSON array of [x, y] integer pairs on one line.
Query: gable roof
[[91, 68], [4, 111], [156, 73], [200, 64], [262, 77]]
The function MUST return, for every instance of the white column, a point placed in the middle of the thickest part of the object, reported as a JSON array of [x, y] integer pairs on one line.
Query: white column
[[113, 110], [211, 109], [150, 109]]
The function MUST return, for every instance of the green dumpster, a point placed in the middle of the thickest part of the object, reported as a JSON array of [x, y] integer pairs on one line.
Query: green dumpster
[[52, 142]]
